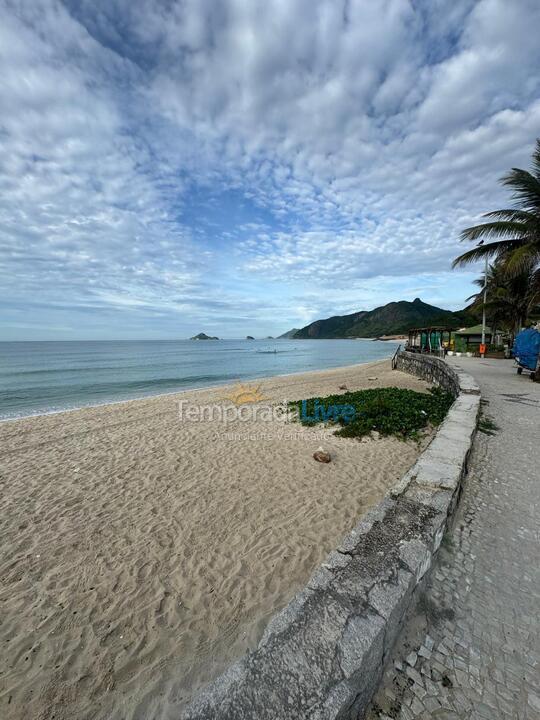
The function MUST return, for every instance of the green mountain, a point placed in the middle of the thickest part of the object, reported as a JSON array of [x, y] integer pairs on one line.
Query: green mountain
[[288, 334], [392, 319]]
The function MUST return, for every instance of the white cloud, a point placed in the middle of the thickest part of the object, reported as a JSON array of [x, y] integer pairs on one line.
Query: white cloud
[[353, 140]]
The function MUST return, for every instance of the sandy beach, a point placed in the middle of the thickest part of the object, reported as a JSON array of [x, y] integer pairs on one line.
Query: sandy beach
[[142, 552]]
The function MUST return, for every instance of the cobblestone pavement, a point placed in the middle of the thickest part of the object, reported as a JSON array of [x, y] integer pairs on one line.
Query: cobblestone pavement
[[472, 648]]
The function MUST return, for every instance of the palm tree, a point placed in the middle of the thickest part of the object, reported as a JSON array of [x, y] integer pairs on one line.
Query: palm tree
[[489, 282], [512, 297], [516, 231]]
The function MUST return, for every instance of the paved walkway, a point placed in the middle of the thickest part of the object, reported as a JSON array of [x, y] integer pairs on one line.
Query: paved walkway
[[472, 649]]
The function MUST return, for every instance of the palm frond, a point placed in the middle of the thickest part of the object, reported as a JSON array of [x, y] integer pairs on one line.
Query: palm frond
[[491, 250], [497, 229], [536, 159], [521, 260], [502, 228], [525, 187], [514, 215]]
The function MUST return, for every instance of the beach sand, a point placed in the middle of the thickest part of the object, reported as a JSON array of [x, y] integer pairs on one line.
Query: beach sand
[[141, 554]]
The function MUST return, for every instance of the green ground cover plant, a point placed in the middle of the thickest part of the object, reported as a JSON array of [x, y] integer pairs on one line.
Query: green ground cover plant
[[389, 411]]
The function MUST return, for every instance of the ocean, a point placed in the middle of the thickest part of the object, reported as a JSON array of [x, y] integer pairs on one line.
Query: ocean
[[44, 377]]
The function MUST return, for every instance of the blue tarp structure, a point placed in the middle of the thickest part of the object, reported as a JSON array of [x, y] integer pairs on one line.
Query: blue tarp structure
[[527, 348]]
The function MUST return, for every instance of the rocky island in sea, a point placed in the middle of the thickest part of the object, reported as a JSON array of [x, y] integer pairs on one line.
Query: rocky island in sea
[[204, 336]]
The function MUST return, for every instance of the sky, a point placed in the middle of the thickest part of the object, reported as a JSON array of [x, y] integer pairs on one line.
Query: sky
[[243, 167]]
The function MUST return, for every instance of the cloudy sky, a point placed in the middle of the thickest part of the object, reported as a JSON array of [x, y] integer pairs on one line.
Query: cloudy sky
[[244, 166]]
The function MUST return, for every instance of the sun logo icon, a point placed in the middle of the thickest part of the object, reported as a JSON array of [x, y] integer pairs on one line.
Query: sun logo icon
[[244, 394]]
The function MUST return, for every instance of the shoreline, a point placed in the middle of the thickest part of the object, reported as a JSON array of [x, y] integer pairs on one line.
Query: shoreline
[[143, 553], [201, 388]]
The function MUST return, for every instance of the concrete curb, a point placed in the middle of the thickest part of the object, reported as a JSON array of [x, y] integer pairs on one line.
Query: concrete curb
[[323, 655]]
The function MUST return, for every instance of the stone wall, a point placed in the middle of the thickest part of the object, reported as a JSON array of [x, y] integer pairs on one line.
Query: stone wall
[[323, 655], [429, 368]]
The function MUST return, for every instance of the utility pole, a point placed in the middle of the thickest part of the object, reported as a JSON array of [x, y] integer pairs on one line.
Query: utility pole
[[484, 309]]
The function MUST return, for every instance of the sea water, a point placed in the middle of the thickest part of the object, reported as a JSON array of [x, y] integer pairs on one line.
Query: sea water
[[42, 377]]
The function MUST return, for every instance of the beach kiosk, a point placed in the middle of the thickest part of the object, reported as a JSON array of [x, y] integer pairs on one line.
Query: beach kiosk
[[435, 339], [470, 339]]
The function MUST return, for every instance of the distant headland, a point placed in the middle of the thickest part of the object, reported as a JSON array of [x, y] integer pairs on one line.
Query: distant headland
[[390, 321]]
